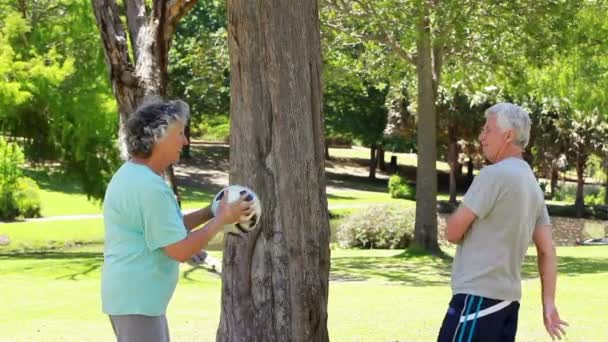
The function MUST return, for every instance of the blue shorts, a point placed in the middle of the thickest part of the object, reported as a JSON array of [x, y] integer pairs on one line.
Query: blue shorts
[[474, 318]]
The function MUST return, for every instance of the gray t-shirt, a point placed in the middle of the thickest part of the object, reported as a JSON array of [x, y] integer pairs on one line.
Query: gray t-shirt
[[508, 204]]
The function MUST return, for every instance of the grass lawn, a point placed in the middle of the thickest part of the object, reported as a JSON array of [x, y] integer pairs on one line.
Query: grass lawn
[[374, 295], [359, 152]]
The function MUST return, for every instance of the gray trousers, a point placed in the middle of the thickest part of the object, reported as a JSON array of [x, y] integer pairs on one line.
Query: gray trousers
[[140, 328]]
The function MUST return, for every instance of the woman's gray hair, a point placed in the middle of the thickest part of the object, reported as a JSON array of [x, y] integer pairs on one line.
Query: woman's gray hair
[[149, 124], [510, 116]]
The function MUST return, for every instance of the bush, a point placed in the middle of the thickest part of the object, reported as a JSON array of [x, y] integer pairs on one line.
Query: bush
[[381, 226], [399, 188], [27, 198], [216, 128], [11, 158], [596, 198], [18, 195], [339, 141]]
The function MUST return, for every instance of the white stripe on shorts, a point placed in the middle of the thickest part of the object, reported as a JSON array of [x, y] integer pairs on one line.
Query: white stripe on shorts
[[490, 310]]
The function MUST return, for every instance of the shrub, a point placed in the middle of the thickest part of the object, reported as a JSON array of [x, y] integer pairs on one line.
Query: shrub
[[337, 140], [215, 128], [399, 188], [27, 198], [11, 158], [18, 195], [381, 226]]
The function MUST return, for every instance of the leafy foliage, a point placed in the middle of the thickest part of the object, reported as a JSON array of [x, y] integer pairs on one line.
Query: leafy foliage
[[399, 188], [58, 101], [381, 226], [199, 65], [18, 194]]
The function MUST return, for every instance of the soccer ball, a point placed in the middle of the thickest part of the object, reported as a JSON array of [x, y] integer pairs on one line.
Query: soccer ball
[[246, 223]]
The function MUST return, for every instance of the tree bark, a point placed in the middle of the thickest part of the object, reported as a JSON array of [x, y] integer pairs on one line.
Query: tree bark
[[470, 168], [554, 179], [579, 203], [425, 230], [606, 189], [275, 279], [380, 157], [373, 157], [453, 162]]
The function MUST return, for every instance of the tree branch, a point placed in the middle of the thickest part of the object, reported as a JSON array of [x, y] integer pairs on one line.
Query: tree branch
[[384, 37], [115, 41], [136, 18], [176, 9]]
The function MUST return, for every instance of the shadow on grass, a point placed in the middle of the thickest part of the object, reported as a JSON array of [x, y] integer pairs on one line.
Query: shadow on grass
[[338, 197], [407, 268], [341, 180], [58, 265], [567, 266], [53, 180]]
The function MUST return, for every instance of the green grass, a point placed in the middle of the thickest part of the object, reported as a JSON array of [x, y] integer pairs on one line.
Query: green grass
[[374, 295], [359, 152], [29, 236]]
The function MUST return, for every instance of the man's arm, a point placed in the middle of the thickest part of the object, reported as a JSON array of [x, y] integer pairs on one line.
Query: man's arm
[[198, 217], [547, 267], [459, 223]]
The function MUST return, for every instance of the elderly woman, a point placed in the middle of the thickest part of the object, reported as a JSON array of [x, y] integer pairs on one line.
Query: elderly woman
[[146, 236]]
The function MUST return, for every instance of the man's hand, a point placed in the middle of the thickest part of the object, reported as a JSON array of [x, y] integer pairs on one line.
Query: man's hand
[[554, 325]]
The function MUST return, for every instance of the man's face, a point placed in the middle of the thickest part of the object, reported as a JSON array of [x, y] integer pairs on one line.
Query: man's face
[[493, 140]]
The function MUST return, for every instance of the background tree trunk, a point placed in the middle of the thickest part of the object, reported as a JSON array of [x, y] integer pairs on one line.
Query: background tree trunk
[[453, 162], [373, 161], [554, 179], [579, 202], [380, 157], [275, 279], [425, 230]]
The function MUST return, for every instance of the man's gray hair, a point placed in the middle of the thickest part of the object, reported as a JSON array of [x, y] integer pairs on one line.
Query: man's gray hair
[[149, 124], [510, 116]]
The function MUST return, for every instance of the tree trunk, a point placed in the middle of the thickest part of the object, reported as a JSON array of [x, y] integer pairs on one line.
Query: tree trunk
[[150, 36], [579, 203], [470, 168], [554, 178], [394, 166], [606, 189], [453, 162], [186, 149], [275, 279], [327, 157], [373, 157], [425, 230], [380, 157]]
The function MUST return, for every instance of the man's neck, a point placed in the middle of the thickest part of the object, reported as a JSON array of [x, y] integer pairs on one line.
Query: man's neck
[[511, 153]]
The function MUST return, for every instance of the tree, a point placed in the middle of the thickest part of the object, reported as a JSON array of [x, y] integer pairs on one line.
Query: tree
[[459, 119], [275, 280], [199, 68], [139, 70], [575, 78], [355, 108], [55, 99]]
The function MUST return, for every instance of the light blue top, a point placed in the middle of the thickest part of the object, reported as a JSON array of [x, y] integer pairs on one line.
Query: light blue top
[[141, 216]]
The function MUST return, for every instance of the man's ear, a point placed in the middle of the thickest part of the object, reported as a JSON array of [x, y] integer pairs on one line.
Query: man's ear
[[510, 136]]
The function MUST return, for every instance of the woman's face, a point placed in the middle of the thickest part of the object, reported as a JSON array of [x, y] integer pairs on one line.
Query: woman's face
[[170, 146]]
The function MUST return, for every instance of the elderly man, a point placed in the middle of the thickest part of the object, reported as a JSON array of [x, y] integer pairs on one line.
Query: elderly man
[[503, 210]]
